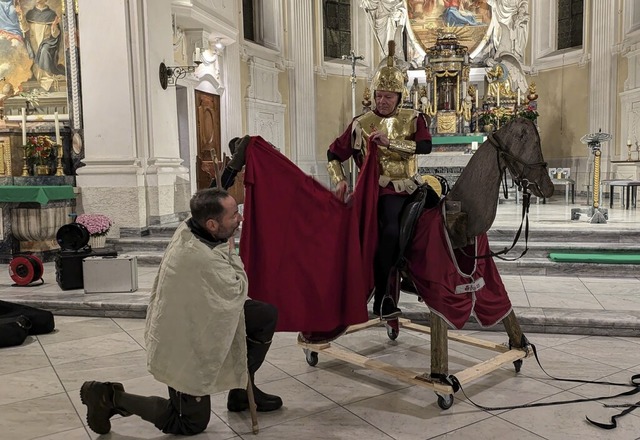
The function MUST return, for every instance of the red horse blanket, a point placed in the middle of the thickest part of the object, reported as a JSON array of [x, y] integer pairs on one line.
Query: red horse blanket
[[311, 255]]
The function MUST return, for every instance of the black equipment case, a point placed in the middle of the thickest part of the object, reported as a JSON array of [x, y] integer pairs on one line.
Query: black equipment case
[[69, 273], [73, 239], [17, 321]]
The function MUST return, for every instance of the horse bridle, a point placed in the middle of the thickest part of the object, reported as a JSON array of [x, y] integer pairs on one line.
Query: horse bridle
[[517, 167]]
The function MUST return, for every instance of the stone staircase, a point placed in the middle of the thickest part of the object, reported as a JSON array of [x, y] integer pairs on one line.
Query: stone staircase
[[542, 240]]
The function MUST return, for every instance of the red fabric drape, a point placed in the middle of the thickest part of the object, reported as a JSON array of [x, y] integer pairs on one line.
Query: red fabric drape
[[305, 251], [311, 255]]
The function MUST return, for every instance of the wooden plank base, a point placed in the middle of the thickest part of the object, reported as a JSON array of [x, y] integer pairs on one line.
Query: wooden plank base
[[467, 375]]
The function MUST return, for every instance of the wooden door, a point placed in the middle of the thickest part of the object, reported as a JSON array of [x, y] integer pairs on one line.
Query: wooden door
[[208, 125]]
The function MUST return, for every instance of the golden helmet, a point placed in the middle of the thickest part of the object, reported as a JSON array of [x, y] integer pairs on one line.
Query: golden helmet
[[389, 77]]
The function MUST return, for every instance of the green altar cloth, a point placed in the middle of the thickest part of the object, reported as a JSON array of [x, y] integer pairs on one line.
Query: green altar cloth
[[447, 140], [40, 194]]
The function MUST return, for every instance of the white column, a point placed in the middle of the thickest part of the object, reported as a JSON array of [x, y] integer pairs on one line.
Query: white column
[[231, 102], [602, 93], [131, 134], [112, 181], [301, 75]]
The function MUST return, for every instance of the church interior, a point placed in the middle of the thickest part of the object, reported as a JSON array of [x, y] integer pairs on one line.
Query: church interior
[[119, 111]]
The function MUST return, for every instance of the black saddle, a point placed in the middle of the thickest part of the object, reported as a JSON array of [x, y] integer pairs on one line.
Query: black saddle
[[423, 198]]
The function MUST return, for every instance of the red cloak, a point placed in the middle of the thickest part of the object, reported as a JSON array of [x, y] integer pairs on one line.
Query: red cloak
[[305, 251]]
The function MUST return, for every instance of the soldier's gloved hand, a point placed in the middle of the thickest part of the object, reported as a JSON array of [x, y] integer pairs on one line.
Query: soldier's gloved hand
[[238, 159]]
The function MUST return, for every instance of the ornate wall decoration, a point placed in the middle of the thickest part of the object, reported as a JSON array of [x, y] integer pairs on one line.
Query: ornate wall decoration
[[472, 24]]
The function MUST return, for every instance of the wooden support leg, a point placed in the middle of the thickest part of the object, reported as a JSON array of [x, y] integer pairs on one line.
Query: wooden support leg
[[439, 346], [513, 329]]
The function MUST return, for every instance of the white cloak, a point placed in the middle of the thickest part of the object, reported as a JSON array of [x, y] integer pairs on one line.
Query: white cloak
[[195, 331]]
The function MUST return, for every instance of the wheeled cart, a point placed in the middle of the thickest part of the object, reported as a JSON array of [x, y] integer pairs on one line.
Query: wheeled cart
[[437, 378]]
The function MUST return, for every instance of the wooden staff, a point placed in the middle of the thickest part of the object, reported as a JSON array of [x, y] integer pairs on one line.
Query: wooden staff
[[252, 407]]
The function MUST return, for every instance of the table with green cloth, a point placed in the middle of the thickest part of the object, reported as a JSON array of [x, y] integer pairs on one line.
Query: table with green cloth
[[39, 194]]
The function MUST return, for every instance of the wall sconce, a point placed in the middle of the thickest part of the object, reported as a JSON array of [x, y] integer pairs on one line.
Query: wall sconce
[[169, 75]]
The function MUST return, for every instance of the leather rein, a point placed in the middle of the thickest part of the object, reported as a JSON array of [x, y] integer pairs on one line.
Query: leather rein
[[518, 169]]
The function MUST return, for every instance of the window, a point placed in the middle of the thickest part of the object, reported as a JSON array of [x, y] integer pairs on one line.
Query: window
[[570, 19], [248, 20], [337, 28], [557, 34]]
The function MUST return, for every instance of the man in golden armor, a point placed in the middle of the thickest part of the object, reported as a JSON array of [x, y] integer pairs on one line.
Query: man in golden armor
[[399, 134]]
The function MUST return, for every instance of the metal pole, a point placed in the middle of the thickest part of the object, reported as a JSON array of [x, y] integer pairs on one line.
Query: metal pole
[[353, 169]]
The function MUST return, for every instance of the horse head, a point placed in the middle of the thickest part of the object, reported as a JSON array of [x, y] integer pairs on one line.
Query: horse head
[[518, 146], [517, 149]]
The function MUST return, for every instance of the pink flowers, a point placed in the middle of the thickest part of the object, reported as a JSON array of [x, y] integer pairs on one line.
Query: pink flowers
[[96, 224]]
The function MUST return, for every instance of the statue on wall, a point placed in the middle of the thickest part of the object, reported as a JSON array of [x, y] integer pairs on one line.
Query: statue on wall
[[388, 19], [498, 78], [513, 73], [510, 26]]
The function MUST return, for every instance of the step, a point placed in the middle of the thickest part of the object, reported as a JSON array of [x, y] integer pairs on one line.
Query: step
[[148, 243], [539, 249], [592, 234], [546, 267]]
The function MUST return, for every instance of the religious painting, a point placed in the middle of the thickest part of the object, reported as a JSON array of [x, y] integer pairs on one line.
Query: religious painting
[[470, 20], [32, 55]]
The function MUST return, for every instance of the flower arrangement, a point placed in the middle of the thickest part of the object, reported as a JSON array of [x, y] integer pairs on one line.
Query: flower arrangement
[[96, 224], [41, 149], [487, 117], [529, 112]]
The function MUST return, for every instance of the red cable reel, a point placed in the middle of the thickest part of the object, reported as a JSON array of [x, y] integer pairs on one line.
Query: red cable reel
[[26, 269]]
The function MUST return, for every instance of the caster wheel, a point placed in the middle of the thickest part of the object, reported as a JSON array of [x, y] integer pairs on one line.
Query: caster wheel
[[392, 333], [518, 365], [312, 357], [445, 402]]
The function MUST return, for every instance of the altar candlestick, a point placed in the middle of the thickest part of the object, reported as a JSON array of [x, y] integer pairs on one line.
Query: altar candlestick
[[476, 99], [57, 124], [498, 99], [518, 97], [24, 127]]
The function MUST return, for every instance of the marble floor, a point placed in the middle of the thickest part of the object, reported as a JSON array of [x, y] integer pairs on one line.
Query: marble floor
[[40, 380]]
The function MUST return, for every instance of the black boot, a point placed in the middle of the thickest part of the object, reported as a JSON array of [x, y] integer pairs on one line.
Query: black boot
[[98, 397], [238, 400]]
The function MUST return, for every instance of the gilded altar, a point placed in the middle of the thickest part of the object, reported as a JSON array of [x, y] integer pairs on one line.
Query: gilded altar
[[447, 74]]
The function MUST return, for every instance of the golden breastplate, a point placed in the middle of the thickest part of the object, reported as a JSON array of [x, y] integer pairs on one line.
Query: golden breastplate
[[402, 125]]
